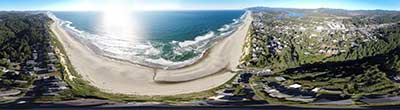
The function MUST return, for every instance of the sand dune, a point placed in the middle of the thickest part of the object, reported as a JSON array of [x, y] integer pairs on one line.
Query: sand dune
[[127, 78]]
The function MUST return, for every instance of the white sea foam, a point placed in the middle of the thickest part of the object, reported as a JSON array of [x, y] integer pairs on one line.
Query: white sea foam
[[68, 25], [172, 64], [226, 33], [224, 28], [196, 40], [243, 16], [174, 42], [235, 21]]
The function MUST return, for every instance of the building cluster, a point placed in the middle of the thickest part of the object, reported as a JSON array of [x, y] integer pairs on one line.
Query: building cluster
[[34, 75], [312, 35], [51, 86], [42, 62], [238, 90], [12, 81], [276, 87], [7, 94]]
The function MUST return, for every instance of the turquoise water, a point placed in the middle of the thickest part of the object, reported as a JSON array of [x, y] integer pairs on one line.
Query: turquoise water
[[166, 39], [295, 15]]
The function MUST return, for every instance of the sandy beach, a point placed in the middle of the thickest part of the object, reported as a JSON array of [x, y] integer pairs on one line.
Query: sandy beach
[[122, 77]]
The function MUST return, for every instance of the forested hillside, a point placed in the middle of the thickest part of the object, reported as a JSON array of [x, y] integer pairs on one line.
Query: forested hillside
[[21, 34], [326, 52], [288, 39]]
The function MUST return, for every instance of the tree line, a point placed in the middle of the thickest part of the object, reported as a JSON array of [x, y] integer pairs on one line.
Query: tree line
[[23, 33]]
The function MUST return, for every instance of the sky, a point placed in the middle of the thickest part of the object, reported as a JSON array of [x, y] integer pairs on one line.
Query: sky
[[95, 5]]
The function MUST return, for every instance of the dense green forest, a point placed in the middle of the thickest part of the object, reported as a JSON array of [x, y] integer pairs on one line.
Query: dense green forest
[[21, 34], [366, 76]]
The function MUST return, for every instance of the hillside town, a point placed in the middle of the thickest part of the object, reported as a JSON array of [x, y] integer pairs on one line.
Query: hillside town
[[29, 67], [35, 77], [293, 50], [308, 38]]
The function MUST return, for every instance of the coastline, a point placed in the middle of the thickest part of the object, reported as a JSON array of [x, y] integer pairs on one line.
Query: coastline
[[158, 63], [123, 77]]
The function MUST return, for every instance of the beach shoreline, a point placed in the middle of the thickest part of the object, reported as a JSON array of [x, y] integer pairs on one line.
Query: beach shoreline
[[123, 77], [161, 62]]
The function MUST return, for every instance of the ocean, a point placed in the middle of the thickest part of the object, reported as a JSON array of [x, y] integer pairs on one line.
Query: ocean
[[162, 39]]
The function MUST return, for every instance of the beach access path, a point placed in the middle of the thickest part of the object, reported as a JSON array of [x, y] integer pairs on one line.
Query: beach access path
[[127, 78]]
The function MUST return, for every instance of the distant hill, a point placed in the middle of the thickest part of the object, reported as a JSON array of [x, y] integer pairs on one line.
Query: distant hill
[[343, 12]]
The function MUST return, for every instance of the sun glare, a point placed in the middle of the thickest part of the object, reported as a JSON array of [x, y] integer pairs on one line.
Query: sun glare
[[118, 22]]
